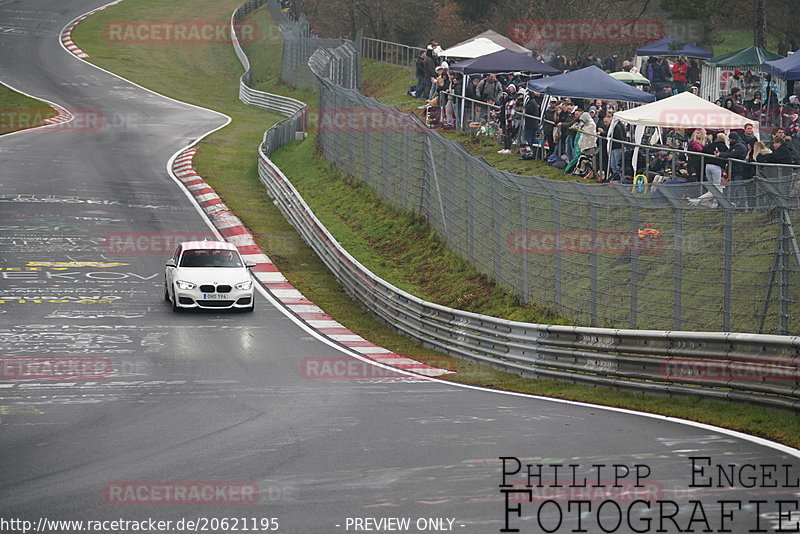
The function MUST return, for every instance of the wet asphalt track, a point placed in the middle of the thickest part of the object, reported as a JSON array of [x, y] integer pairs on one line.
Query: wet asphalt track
[[219, 397]]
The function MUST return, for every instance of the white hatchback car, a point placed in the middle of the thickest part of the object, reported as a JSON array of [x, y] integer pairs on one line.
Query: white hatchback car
[[208, 274]]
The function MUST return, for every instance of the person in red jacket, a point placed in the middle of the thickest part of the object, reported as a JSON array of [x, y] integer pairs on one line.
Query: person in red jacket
[[679, 71]]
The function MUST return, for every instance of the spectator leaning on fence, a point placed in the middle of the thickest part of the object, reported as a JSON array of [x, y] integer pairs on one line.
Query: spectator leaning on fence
[[550, 116], [508, 103], [737, 152], [696, 142], [567, 133], [714, 165], [430, 74], [617, 149], [419, 65], [532, 109], [780, 153], [587, 130]]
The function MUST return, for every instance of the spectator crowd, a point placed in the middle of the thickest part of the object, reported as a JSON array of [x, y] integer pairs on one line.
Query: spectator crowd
[[573, 133]]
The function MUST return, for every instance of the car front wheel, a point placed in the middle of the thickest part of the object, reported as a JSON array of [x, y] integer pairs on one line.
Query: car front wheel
[[175, 307]]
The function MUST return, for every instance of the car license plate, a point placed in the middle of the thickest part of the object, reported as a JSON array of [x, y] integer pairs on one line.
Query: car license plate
[[215, 296]]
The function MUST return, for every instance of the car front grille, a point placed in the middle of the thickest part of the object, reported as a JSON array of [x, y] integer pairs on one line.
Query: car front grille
[[208, 288]]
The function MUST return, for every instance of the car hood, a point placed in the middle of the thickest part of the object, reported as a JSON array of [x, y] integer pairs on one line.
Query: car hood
[[214, 275]]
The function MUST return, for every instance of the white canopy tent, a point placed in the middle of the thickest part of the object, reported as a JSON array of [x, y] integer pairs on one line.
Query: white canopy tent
[[498, 39], [686, 111], [682, 111], [475, 48]]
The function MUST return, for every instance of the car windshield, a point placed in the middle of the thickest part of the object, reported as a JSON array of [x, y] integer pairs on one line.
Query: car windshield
[[210, 258]]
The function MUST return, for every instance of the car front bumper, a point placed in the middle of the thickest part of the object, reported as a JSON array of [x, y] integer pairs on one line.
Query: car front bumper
[[194, 298]]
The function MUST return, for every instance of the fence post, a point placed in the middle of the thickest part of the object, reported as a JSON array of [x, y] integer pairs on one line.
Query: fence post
[[635, 251], [496, 227], [432, 163], [523, 198], [676, 325], [727, 272], [783, 297], [470, 215], [405, 171]]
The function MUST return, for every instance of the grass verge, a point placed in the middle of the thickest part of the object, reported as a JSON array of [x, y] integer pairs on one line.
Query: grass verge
[[20, 112], [207, 75]]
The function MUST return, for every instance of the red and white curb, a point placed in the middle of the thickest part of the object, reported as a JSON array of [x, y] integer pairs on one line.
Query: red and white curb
[[66, 33], [271, 278], [63, 116]]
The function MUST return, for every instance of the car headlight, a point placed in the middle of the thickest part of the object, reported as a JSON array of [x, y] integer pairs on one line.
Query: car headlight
[[244, 286], [185, 285]]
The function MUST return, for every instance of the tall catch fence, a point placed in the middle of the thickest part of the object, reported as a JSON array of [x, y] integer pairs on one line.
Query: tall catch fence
[[760, 369], [607, 255], [341, 61]]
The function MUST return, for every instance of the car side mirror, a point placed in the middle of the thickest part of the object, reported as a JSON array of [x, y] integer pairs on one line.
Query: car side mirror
[[249, 264], [170, 263]]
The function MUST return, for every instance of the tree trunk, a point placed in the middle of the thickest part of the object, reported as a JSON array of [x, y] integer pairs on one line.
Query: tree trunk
[[761, 24]]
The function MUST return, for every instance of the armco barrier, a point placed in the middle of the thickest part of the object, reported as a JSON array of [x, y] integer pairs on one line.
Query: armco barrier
[[297, 111], [761, 369]]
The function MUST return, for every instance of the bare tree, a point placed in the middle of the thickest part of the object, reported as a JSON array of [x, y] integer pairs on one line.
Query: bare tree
[[761, 24]]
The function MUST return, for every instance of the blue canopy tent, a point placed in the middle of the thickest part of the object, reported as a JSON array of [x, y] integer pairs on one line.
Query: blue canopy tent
[[673, 46], [787, 68], [589, 82], [503, 61], [496, 62]]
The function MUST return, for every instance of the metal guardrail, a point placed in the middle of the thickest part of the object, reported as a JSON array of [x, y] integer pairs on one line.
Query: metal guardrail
[[760, 369], [389, 52], [297, 111]]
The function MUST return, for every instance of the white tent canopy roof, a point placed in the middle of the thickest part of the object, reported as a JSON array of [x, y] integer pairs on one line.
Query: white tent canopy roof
[[475, 48], [498, 39], [685, 111]]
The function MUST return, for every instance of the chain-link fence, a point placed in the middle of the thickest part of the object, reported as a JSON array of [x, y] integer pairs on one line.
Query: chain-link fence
[[342, 62], [624, 256]]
